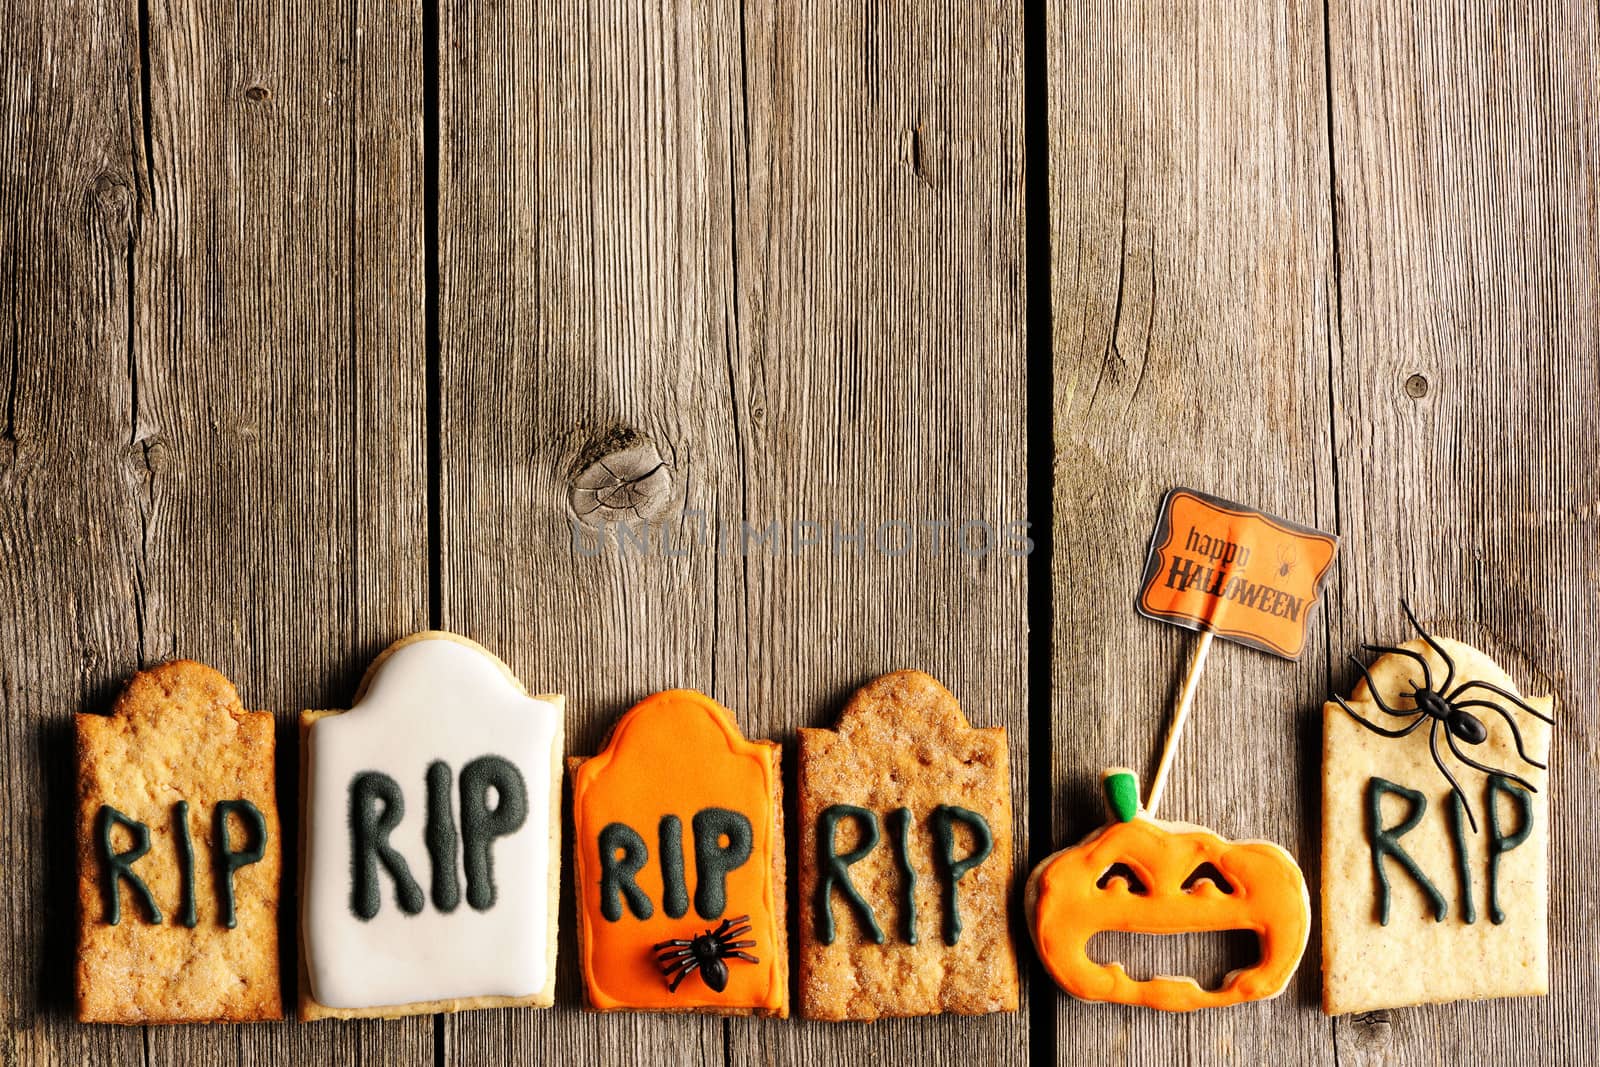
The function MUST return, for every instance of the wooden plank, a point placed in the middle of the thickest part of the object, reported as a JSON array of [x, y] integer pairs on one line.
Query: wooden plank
[[68, 537], [216, 442], [731, 239], [583, 275], [1465, 382], [879, 375], [1190, 260], [280, 378]]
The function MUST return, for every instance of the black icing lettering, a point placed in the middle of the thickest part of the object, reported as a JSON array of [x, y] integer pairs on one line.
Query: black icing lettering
[[900, 838], [117, 866], [480, 824], [1499, 842], [674, 886], [945, 816], [713, 860], [622, 856], [376, 808], [835, 868], [1458, 841], [185, 844], [1386, 842], [230, 860], [441, 839]]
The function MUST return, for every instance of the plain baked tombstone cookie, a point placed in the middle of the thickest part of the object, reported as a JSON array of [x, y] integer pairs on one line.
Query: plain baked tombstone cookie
[[431, 838], [178, 855], [678, 856], [1434, 888], [905, 859]]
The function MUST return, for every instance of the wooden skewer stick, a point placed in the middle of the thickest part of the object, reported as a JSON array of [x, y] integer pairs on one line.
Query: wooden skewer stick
[[1186, 700]]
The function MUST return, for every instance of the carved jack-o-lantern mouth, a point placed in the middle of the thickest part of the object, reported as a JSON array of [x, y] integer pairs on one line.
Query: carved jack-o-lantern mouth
[[1138, 875]]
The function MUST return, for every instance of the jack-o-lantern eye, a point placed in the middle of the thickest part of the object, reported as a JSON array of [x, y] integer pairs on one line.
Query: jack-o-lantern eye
[[1129, 877], [1207, 872]]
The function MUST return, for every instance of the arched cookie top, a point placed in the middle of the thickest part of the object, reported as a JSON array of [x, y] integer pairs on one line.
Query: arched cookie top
[[1396, 673], [909, 701], [181, 687], [687, 716], [435, 635]]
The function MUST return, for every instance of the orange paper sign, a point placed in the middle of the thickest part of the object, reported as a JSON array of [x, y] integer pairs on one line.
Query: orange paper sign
[[1242, 574]]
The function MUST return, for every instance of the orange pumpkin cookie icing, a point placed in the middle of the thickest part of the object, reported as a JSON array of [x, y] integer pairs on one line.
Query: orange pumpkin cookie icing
[[678, 851], [1142, 875]]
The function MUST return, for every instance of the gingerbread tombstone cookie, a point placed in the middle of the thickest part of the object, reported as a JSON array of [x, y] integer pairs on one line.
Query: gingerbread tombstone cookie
[[1435, 832], [178, 855], [678, 850], [1143, 875], [905, 859], [430, 846]]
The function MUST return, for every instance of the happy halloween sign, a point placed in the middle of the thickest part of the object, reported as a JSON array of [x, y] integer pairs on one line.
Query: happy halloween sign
[[1239, 573]]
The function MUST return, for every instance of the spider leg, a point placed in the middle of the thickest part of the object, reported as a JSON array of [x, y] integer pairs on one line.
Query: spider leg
[[676, 942], [735, 932], [672, 986], [1491, 687], [1470, 762], [1372, 688], [676, 965], [1427, 675], [675, 954], [738, 944], [1449, 663], [1516, 734], [1433, 747], [1374, 727], [743, 956]]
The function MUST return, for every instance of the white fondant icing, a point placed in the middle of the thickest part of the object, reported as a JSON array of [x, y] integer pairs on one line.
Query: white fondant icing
[[434, 699]]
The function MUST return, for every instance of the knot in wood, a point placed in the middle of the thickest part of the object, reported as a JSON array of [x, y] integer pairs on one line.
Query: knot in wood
[[114, 199], [621, 479]]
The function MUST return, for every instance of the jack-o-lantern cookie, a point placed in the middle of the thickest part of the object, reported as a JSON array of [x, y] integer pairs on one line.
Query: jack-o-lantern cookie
[[1143, 875], [905, 859], [431, 858], [178, 855], [1435, 832], [678, 850]]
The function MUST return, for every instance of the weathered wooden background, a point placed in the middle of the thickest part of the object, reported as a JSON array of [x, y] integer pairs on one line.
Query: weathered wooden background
[[314, 314]]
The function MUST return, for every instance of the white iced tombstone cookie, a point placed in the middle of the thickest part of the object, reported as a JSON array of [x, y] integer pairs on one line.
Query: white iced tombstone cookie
[[430, 842]]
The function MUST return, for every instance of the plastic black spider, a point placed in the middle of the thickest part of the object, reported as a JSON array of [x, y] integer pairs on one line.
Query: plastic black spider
[[1444, 707], [704, 952]]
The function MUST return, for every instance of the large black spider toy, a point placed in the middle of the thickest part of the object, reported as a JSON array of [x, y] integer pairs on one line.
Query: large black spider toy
[[705, 953], [1444, 707]]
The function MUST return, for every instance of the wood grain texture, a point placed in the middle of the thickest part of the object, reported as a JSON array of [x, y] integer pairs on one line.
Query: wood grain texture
[[782, 247], [69, 527], [584, 270], [764, 264], [1466, 372], [216, 440], [1190, 263], [879, 375]]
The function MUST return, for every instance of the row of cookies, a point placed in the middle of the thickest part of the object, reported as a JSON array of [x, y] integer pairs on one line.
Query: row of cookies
[[430, 852]]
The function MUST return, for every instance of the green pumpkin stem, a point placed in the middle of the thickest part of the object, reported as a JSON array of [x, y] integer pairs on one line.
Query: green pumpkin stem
[[1121, 787]]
